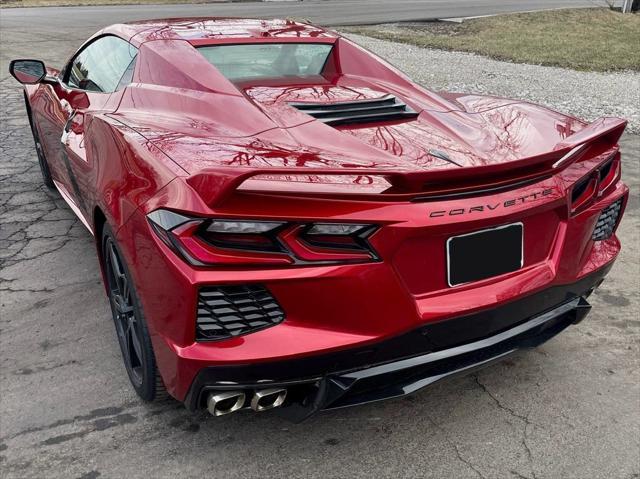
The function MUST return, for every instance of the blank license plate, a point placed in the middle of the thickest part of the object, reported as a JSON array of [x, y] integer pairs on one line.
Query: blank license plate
[[483, 254]]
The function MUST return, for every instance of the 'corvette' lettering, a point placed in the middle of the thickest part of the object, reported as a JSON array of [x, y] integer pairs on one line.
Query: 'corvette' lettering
[[491, 207]]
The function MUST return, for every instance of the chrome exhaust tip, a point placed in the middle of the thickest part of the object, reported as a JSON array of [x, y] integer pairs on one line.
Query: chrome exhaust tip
[[225, 402], [265, 399]]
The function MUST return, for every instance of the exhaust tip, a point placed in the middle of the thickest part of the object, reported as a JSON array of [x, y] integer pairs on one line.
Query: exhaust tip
[[226, 402], [265, 399]]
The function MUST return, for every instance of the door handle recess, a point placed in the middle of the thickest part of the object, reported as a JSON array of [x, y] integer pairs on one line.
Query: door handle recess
[[67, 125]]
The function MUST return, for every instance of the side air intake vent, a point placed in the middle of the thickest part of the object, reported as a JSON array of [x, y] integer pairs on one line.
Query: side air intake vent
[[227, 311], [362, 111]]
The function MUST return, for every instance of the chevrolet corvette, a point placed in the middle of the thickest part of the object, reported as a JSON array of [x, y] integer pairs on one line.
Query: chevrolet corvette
[[284, 221]]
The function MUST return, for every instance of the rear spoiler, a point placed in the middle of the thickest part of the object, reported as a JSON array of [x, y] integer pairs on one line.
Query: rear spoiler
[[608, 128], [215, 185]]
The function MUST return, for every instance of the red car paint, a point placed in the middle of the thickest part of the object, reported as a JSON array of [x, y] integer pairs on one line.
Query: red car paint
[[182, 137]]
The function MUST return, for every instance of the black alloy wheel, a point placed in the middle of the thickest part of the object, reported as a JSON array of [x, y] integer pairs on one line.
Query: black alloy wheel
[[131, 329]]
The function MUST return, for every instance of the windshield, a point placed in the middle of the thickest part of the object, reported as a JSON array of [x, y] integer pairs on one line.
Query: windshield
[[267, 60]]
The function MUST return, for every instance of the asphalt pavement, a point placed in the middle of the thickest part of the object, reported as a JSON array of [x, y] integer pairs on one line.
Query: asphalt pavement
[[569, 409], [65, 20]]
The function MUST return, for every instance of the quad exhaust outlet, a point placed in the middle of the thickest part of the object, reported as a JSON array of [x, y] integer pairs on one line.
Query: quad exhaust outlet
[[265, 399], [220, 403], [225, 402]]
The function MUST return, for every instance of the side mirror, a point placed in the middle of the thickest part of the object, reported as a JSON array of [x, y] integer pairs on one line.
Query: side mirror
[[28, 72]]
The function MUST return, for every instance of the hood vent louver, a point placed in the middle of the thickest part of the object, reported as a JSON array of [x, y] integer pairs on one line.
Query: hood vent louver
[[386, 108]]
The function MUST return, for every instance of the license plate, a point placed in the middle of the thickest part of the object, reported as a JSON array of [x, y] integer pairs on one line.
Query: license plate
[[484, 254]]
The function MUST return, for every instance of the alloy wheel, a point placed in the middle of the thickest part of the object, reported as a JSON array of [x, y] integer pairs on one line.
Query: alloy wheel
[[124, 314]]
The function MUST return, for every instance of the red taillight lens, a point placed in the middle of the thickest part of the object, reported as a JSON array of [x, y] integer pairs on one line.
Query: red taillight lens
[[595, 184], [608, 173], [250, 235], [336, 242], [582, 193], [213, 241]]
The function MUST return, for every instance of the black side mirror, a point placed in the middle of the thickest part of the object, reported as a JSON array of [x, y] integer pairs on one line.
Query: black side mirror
[[28, 72]]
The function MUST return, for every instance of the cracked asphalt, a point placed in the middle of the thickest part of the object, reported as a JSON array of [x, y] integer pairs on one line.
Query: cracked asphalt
[[570, 408]]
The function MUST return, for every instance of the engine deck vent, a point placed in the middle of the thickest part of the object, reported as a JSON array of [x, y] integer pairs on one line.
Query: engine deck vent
[[386, 108]]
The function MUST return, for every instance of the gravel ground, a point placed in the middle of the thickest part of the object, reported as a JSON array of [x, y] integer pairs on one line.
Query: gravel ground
[[568, 409], [586, 95]]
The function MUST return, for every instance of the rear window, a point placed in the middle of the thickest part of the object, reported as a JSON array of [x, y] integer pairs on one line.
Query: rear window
[[267, 60]]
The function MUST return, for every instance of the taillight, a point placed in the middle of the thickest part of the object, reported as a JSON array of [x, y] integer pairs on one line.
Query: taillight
[[583, 192], [203, 241], [330, 242], [249, 235], [595, 184], [608, 173]]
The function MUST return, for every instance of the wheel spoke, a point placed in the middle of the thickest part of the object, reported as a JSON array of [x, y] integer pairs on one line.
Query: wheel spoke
[[135, 341], [119, 327], [113, 257], [126, 291], [115, 266], [126, 347]]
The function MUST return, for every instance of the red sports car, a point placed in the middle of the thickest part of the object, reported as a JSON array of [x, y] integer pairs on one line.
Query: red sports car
[[284, 220]]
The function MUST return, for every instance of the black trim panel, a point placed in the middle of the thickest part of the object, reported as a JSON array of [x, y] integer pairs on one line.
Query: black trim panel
[[369, 110]]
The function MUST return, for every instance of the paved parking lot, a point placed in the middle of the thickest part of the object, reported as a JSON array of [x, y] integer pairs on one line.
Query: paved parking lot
[[568, 409]]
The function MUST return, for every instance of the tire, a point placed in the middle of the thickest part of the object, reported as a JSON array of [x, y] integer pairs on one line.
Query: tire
[[130, 323], [42, 159]]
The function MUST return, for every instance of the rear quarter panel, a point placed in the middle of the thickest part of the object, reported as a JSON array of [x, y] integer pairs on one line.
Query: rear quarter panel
[[124, 170]]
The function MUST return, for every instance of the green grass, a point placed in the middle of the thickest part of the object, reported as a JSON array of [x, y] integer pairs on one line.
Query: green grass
[[595, 39]]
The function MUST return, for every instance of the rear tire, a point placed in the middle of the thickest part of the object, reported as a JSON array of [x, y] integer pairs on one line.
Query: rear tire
[[42, 159], [131, 326]]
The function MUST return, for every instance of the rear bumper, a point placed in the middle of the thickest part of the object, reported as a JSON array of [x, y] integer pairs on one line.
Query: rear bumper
[[341, 318], [430, 353]]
